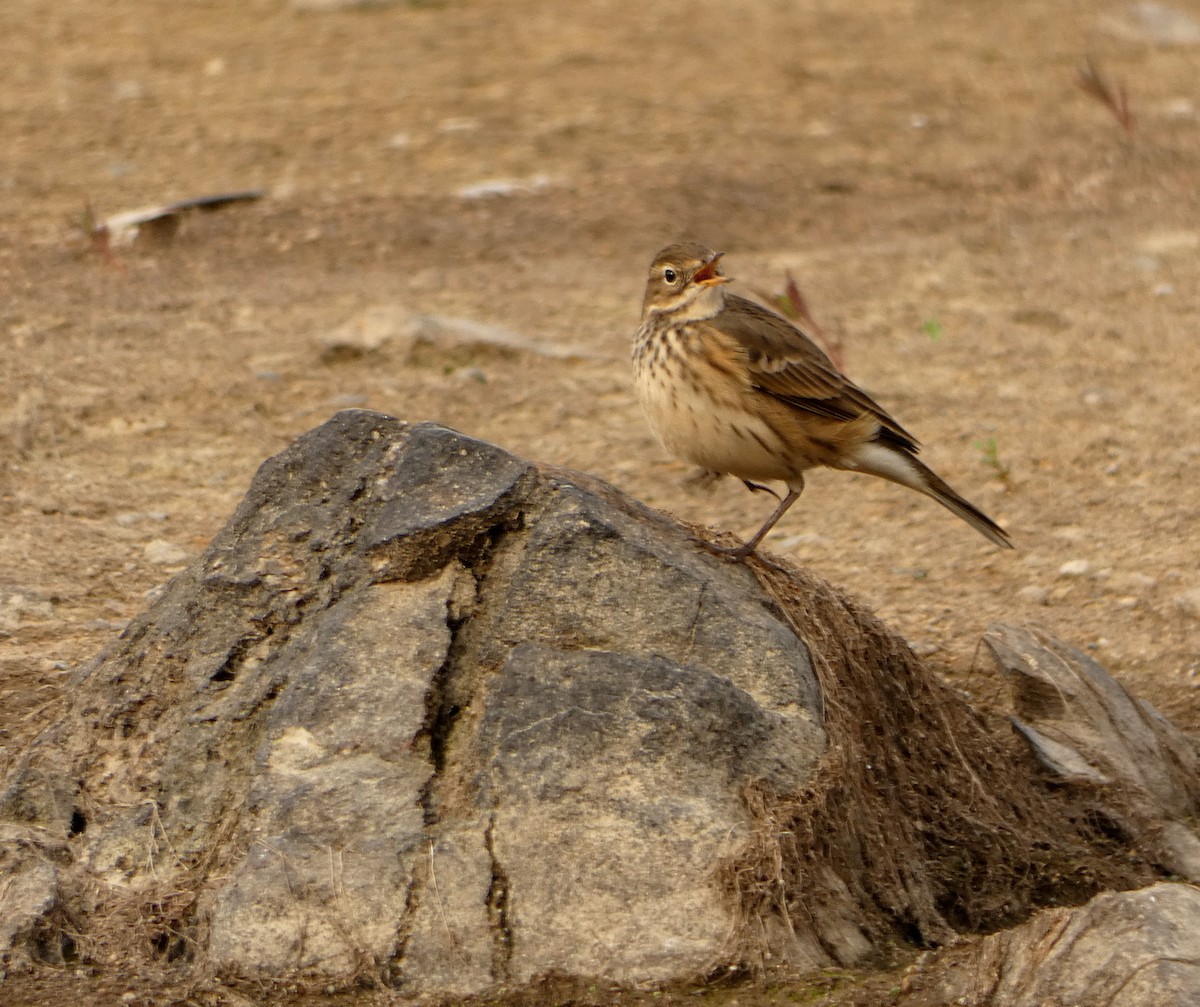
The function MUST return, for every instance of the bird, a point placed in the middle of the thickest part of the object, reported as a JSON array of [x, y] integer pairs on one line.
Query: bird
[[737, 389]]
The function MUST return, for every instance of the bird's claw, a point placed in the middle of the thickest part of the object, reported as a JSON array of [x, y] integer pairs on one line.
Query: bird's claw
[[760, 488]]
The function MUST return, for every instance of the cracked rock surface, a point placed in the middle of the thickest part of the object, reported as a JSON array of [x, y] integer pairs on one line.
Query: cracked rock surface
[[422, 710], [1121, 949]]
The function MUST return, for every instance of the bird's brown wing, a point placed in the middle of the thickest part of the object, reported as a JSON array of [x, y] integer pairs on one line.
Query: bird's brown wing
[[787, 365]]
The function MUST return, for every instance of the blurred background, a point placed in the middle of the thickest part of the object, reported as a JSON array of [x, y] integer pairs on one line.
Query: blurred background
[[991, 210]]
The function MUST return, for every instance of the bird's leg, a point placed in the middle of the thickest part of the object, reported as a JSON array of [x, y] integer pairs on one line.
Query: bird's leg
[[760, 488], [746, 548]]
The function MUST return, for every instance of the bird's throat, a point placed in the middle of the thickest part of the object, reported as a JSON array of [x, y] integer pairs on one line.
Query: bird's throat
[[697, 305]]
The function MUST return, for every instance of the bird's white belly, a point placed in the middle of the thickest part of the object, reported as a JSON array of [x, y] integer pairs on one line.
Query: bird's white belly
[[713, 431]]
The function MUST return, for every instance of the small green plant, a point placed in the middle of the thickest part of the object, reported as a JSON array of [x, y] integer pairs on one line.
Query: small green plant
[[989, 455], [932, 328]]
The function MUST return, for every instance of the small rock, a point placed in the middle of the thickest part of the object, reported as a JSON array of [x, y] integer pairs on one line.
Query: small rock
[[1170, 243], [1122, 949], [1034, 595], [16, 605], [128, 90], [127, 519], [1134, 583], [160, 552], [1155, 23], [390, 327], [1071, 533], [1075, 568], [365, 333], [1188, 602], [786, 543], [460, 125], [1097, 397], [1179, 108], [504, 187], [26, 604]]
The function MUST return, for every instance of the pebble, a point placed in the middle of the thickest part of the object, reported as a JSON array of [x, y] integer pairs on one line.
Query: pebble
[[504, 187], [1075, 568], [1188, 602], [1156, 23], [1179, 108], [24, 604], [1133, 584], [15, 607], [160, 552], [1184, 242], [458, 125], [127, 519], [1034, 595]]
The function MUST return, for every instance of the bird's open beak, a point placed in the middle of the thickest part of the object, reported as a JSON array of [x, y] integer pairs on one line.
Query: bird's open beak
[[707, 274]]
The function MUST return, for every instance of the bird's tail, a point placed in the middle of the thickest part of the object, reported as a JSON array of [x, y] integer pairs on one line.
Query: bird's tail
[[901, 467]]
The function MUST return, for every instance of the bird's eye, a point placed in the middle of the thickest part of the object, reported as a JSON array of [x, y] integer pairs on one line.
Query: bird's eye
[[670, 275]]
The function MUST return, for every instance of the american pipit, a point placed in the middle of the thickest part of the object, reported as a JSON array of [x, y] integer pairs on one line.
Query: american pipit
[[737, 389]]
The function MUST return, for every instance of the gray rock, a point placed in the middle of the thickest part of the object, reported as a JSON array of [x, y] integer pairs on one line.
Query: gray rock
[[29, 889], [1084, 727], [1122, 949], [415, 336], [427, 713]]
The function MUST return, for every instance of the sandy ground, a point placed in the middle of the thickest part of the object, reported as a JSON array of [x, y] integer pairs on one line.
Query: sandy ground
[[1008, 272]]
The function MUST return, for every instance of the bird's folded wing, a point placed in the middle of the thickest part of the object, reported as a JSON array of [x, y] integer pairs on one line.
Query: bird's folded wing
[[786, 364]]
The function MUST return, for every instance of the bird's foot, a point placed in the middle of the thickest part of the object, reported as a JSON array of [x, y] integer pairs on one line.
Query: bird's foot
[[760, 488], [728, 551]]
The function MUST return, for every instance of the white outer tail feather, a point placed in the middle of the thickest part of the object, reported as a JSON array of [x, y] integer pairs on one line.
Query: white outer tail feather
[[896, 466]]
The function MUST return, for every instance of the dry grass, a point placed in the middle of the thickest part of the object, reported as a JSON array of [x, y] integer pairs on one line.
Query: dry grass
[[933, 821]]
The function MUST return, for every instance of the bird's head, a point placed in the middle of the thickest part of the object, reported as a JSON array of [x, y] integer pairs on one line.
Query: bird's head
[[685, 280]]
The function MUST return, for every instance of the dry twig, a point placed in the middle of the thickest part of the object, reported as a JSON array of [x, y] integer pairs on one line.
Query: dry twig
[[1113, 97]]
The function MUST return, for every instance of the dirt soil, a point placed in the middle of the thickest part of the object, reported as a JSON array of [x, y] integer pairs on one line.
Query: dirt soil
[[1007, 270]]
